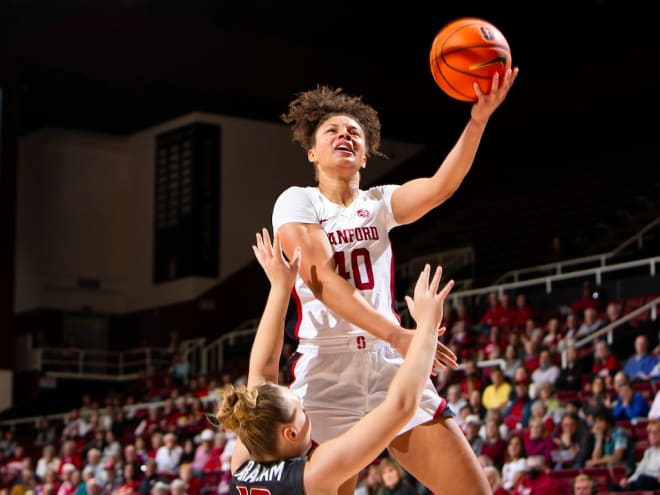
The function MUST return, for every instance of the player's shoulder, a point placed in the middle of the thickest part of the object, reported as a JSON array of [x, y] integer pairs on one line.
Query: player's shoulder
[[379, 192], [299, 192]]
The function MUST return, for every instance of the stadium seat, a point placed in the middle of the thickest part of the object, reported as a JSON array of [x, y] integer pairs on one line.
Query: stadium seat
[[617, 473], [600, 475], [564, 479]]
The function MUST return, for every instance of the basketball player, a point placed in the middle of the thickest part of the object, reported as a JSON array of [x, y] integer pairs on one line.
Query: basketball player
[[350, 339], [274, 431]]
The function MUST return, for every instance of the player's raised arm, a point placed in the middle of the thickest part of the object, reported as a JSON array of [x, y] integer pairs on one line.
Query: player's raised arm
[[267, 345]]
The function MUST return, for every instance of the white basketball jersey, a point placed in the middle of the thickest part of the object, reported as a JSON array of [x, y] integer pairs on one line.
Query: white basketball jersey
[[359, 235]]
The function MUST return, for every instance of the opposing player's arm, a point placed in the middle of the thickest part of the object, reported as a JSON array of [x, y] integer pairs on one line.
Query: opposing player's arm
[[332, 462], [267, 345], [268, 340]]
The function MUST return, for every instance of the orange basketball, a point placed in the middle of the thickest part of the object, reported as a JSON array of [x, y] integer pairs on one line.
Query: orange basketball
[[465, 51]]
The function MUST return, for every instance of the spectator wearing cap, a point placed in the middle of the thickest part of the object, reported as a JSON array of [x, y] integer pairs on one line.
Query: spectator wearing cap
[[203, 451], [69, 480], [112, 477], [519, 409], [472, 425]]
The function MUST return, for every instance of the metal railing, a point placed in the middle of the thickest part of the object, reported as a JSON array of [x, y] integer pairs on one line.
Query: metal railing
[[601, 259], [608, 330], [120, 366], [547, 281]]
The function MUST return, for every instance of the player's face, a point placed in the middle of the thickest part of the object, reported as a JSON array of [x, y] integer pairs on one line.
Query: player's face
[[339, 142], [301, 423]]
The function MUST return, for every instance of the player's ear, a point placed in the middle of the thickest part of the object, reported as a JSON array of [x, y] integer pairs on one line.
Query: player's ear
[[290, 433], [364, 161], [311, 155]]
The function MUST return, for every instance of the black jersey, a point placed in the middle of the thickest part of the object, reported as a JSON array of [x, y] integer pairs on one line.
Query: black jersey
[[269, 478]]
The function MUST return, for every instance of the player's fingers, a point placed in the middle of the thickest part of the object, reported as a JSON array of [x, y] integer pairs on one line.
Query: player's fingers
[[446, 289], [495, 85], [423, 279], [435, 282], [295, 260]]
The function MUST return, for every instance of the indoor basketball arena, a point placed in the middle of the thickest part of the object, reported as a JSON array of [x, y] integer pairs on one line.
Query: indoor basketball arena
[[142, 146]]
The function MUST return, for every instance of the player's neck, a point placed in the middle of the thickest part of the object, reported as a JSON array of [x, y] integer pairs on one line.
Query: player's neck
[[341, 193]]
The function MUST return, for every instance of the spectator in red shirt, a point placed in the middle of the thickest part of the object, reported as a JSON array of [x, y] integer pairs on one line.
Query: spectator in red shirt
[[507, 312], [606, 363], [472, 379], [531, 350], [460, 328], [586, 300], [539, 442], [493, 347], [69, 455], [493, 313], [494, 446], [202, 386], [130, 480], [193, 483], [214, 463], [537, 480], [523, 312], [150, 423], [156, 441], [519, 410]]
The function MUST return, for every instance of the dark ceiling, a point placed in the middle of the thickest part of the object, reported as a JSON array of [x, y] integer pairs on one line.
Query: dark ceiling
[[588, 68]]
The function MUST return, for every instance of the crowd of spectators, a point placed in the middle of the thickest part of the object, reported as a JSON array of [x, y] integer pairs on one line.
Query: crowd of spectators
[[596, 408], [165, 444], [527, 414]]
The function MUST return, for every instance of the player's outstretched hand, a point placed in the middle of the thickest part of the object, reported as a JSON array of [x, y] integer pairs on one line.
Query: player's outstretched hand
[[486, 103], [426, 308], [271, 258]]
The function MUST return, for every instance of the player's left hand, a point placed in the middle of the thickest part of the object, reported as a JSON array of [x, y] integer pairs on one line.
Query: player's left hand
[[486, 103]]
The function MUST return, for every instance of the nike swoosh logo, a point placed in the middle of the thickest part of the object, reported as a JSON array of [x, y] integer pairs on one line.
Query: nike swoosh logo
[[323, 220], [493, 61]]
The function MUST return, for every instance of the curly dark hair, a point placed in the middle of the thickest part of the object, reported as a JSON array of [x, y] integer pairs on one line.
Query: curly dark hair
[[313, 107]]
